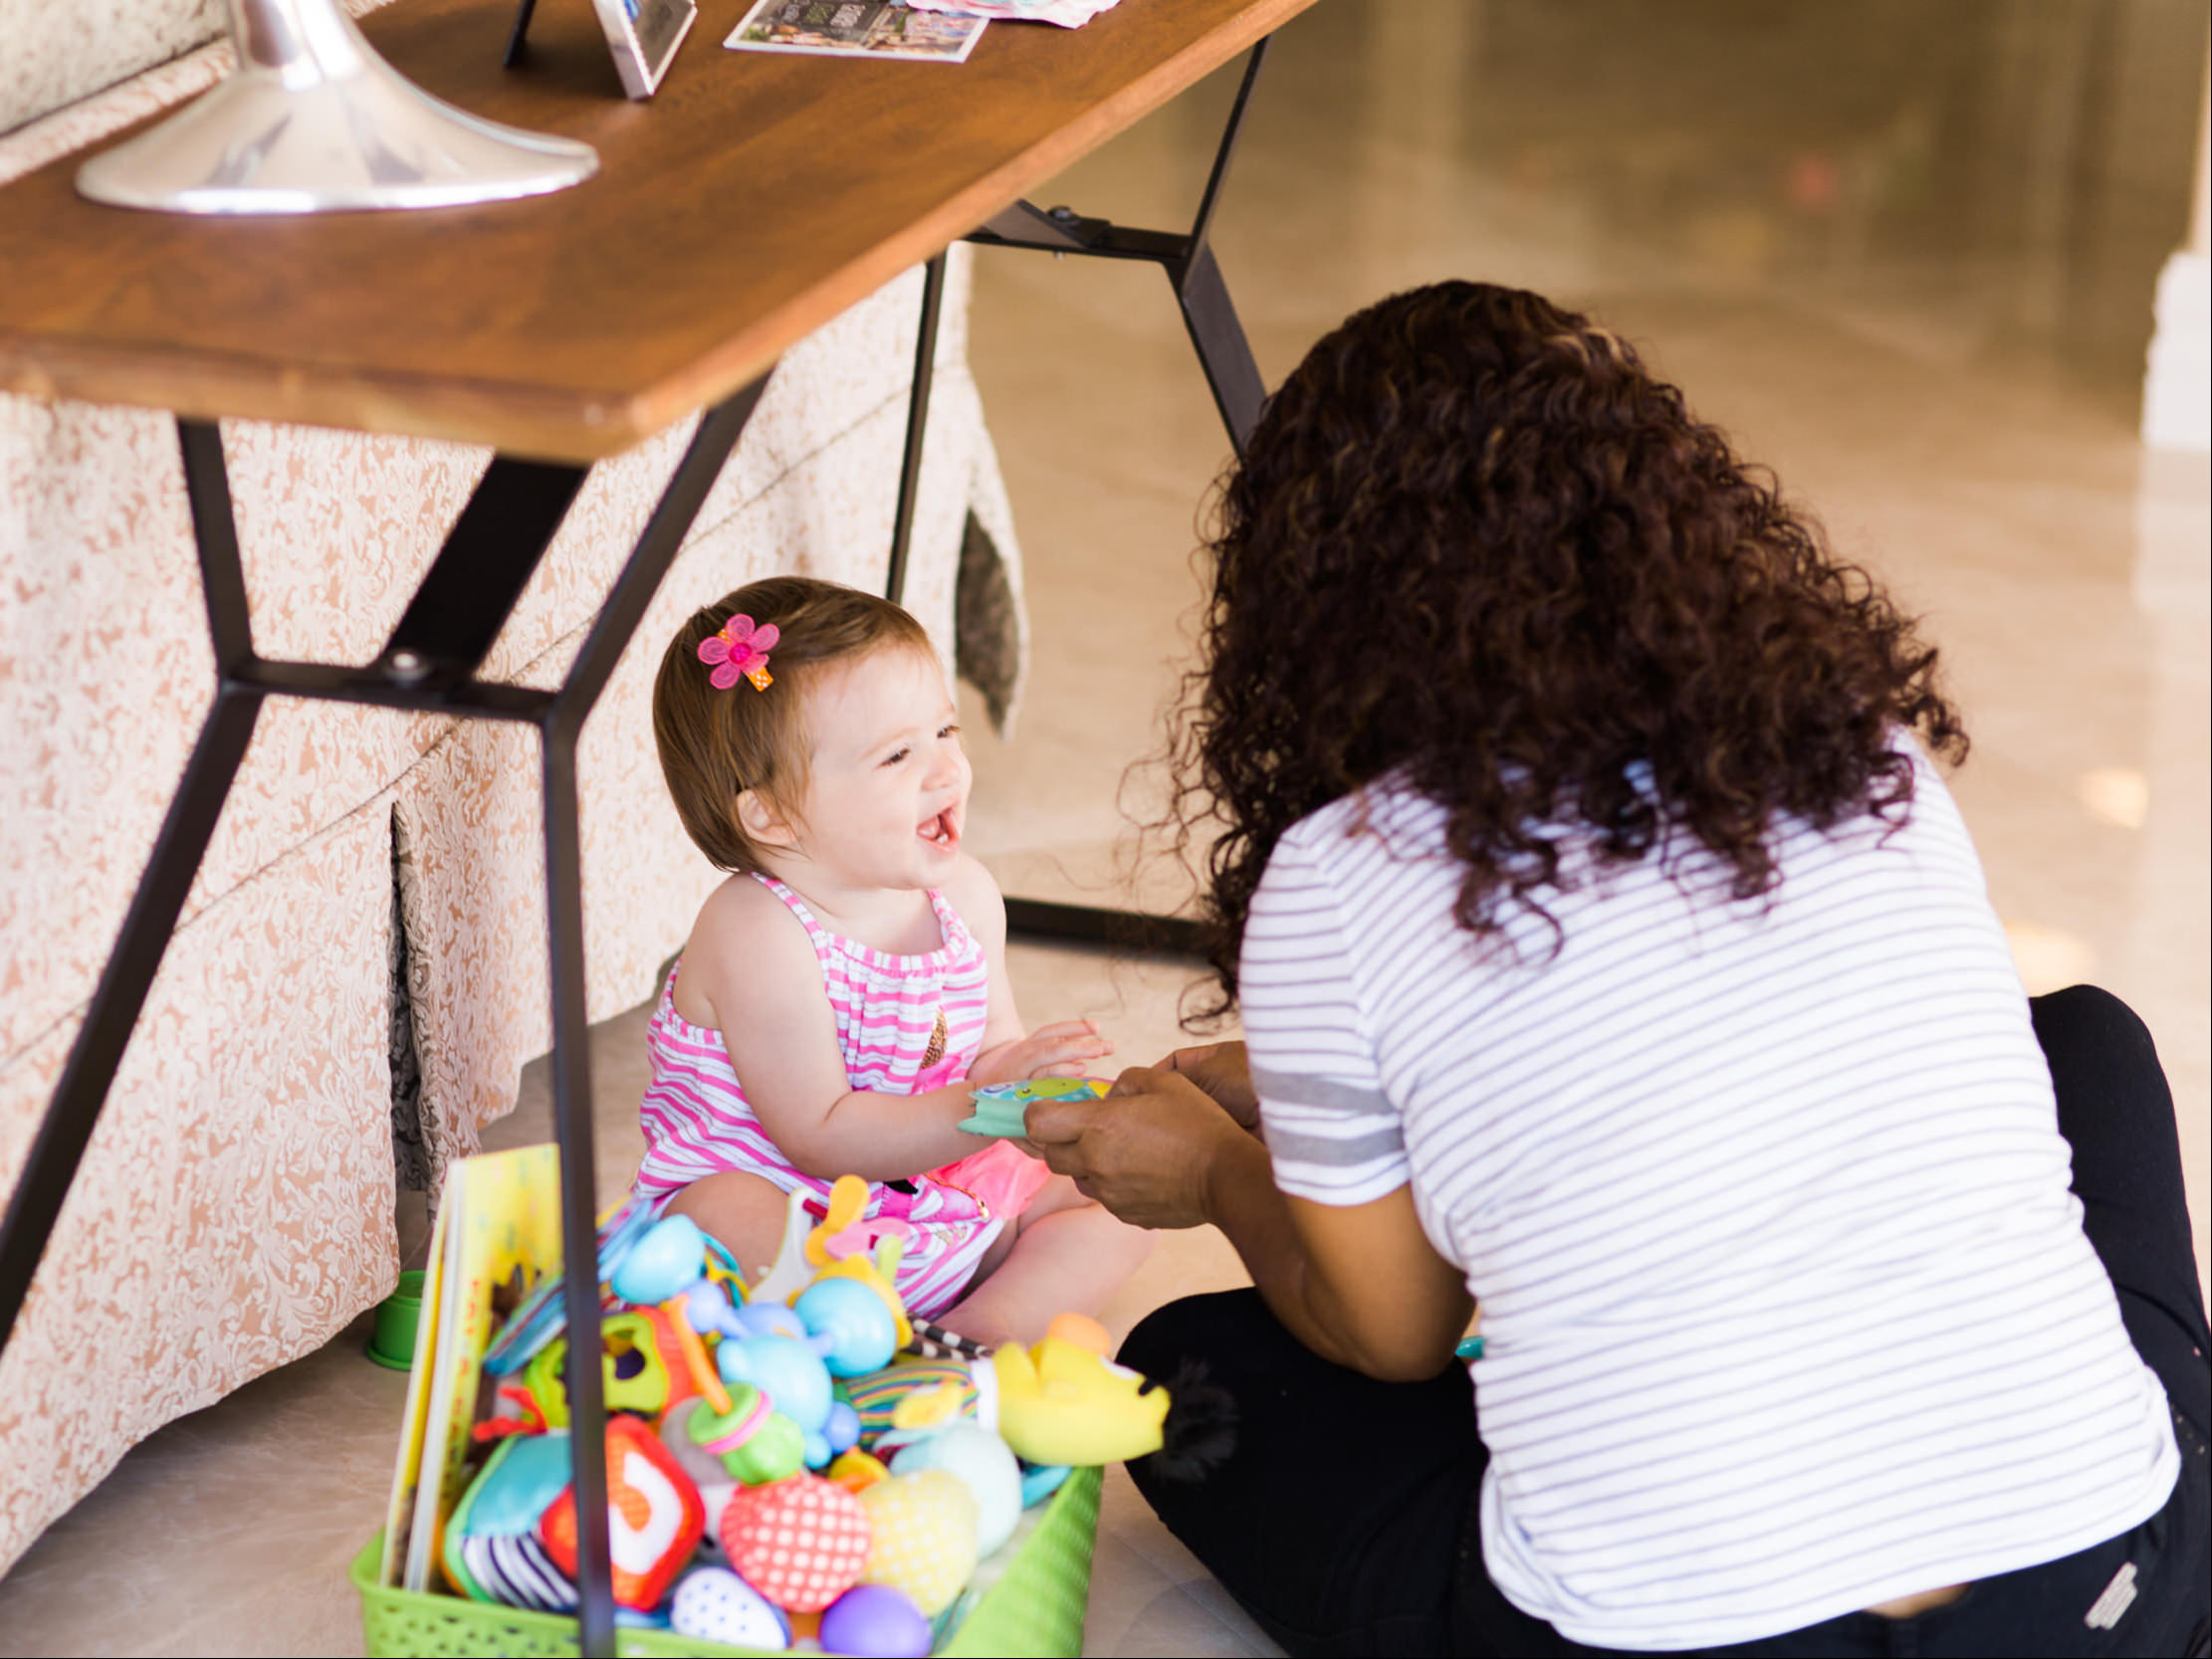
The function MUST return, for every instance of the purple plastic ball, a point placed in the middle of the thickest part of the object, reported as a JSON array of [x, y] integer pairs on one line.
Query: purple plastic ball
[[877, 1621]]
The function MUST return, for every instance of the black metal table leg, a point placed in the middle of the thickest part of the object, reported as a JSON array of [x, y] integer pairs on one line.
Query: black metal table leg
[[1223, 351], [917, 428], [1232, 373], [571, 1055], [428, 665]]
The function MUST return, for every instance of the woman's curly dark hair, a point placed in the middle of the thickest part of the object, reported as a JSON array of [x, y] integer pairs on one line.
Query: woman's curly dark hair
[[1476, 543]]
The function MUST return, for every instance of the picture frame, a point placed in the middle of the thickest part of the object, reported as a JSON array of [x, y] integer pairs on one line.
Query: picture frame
[[642, 35]]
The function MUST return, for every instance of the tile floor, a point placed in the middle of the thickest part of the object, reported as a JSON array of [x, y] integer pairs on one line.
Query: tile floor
[[1863, 241]]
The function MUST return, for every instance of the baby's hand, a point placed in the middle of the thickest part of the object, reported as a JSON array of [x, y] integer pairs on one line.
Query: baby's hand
[[1049, 1051]]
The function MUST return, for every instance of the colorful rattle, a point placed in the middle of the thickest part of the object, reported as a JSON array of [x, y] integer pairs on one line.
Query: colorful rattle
[[997, 1109], [756, 1444]]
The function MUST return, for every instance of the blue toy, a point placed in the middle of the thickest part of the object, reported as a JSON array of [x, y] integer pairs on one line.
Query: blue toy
[[711, 1315], [796, 1381], [849, 1326], [670, 1244], [491, 1548], [1040, 1481], [670, 1255]]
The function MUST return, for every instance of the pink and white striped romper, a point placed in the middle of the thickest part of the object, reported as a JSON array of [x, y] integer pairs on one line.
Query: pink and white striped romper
[[906, 1025]]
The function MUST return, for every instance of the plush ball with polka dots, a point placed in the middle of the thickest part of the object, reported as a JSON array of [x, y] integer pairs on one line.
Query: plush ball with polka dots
[[800, 1541], [713, 1605], [925, 1537]]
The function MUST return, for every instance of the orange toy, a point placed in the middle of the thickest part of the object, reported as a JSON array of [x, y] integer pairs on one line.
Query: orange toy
[[654, 1513]]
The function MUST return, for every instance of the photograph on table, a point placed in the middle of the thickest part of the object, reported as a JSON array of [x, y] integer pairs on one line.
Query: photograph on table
[[857, 29]]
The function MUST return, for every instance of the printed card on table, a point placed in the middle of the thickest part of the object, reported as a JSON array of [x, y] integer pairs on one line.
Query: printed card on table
[[857, 29]]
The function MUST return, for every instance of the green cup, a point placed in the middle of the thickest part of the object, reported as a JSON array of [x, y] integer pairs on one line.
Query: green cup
[[392, 1343]]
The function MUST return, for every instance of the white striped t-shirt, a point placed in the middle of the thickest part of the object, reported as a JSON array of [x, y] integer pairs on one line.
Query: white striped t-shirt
[[1786, 1303]]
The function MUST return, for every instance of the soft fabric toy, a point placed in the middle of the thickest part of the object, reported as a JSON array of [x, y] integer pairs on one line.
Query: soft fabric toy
[[1060, 1401], [983, 1465], [972, 1394], [654, 1514], [713, 1604], [924, 1530], [491, 1552], [800, 1543]]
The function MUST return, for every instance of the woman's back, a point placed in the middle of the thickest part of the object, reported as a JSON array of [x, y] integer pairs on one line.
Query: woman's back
[[1786, 1302]]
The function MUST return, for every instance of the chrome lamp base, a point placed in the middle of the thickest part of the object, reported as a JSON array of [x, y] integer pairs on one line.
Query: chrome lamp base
[[312, 121]]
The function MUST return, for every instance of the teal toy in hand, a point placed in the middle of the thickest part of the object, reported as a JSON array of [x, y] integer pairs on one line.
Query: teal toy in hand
[[997, 1109]]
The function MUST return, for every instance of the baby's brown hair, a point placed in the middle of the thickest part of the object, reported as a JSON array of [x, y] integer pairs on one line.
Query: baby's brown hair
[[715, 744]]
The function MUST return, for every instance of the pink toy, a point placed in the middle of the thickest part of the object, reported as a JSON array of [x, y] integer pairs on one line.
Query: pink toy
[[801, 1541]]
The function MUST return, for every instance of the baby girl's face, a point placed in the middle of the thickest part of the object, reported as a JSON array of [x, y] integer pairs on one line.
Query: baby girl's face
[[887, 789]]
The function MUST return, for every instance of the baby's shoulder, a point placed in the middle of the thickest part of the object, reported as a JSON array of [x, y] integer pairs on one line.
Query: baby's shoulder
[[746, 933], [974, 894], [745, 916]]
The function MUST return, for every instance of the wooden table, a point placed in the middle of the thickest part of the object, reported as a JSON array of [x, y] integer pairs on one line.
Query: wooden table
[[755, 198]]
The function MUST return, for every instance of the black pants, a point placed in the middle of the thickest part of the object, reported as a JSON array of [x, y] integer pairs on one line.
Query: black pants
[[1344, 1522]]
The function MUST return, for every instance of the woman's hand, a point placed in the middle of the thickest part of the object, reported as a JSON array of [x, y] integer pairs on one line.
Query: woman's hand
[[1049, 1051], [1148, 1150], [1224, 1072]]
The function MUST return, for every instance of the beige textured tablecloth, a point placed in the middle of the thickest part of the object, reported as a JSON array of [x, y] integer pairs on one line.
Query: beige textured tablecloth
[[235, 1208]]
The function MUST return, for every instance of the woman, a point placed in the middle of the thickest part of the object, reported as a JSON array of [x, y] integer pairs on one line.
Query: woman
[[1610, 950]]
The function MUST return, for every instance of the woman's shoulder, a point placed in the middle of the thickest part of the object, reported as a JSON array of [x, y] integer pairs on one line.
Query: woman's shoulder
[[1388, 814]]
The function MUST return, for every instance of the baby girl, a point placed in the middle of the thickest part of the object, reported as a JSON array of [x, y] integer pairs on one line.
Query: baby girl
[[844, 990]]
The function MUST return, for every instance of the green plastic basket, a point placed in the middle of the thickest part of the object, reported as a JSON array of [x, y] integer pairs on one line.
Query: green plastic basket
[[1035, 1607]]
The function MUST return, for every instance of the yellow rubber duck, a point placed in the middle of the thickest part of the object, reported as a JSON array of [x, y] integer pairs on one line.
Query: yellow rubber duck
[[1062, 1401]]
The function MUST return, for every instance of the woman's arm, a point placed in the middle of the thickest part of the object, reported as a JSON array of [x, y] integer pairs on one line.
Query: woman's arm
[[1358, 1283]]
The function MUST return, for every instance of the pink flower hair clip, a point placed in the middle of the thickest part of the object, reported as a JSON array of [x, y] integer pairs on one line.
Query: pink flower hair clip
[[740, 652]]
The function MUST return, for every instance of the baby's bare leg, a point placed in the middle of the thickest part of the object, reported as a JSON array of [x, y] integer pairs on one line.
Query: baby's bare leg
[[1066, 1254], [742, 1210]]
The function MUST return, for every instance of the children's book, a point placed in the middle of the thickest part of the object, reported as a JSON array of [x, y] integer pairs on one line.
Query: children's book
[[406, 1474], [433, 1338], [544, 1313], [502, 1220]]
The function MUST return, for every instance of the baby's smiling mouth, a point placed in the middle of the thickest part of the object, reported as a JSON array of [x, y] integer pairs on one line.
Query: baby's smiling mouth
[[940, 830]]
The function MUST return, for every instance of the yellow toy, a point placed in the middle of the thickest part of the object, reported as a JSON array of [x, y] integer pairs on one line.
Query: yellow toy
[[1062, 1402], [922, 1537], [838, 1247]]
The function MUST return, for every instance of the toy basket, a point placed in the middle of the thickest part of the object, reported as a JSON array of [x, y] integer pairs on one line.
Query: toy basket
[[1035, 1607]]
